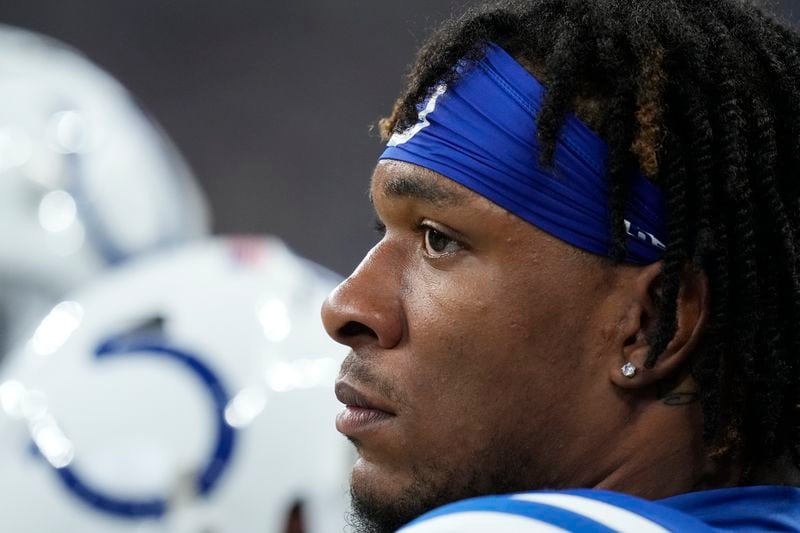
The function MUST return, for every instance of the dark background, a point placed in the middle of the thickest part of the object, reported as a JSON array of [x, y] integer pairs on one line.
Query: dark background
[[271, 102]]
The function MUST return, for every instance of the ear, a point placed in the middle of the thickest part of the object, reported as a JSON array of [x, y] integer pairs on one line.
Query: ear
[[637, 328]]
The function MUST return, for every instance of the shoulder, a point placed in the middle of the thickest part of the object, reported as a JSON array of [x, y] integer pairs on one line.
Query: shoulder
[[557, 511]]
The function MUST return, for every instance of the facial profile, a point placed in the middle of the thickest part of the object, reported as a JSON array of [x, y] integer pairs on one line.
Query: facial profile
[[560, 302], [472, 336]]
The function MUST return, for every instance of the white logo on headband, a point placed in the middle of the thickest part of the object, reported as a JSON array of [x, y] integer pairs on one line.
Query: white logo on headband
[[645, 236], [430, 105]]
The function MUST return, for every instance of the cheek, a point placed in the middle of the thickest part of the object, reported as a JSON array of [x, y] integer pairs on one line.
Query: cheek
[[487, 316], [481, 349]]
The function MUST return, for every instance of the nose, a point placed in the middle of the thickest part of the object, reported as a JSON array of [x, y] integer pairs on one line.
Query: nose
[[366, 308]]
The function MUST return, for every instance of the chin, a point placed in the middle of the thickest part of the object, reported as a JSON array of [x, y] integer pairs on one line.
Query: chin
[[369, 480], [383, 501]]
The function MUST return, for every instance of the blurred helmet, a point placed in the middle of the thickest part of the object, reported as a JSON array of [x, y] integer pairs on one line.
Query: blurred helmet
[[187, 391], [86, 178]]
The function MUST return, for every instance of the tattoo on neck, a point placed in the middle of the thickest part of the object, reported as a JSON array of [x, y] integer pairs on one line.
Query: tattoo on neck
[[667, 393]]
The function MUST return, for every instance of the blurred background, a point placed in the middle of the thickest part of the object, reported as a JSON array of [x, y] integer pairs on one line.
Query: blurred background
[[271, 103]]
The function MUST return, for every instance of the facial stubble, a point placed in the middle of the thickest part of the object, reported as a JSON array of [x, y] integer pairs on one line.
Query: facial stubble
[[501, 466]]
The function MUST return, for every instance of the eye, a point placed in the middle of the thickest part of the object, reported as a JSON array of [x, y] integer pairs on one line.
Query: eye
[[438, 244]]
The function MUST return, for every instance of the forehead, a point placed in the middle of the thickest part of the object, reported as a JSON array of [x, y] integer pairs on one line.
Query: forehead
[[398, 179], [415, 189], [405, 181]]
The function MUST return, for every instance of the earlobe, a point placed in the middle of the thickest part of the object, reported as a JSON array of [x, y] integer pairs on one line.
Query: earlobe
[[640, 321]]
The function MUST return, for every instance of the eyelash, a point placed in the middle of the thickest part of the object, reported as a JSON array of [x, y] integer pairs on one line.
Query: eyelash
[[425, 229]]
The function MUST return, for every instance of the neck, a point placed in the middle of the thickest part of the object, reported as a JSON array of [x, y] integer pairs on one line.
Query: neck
[[662, 453]]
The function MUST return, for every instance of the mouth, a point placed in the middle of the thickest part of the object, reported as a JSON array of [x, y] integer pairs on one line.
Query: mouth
[[362, 413]]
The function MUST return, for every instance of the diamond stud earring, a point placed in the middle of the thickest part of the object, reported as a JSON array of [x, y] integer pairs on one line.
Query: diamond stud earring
[[628, 370]]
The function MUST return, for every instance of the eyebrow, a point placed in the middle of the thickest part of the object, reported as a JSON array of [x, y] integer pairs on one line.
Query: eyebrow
[[422, 189]]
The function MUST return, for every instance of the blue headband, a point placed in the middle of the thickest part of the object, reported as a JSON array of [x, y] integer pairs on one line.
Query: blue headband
[[481, 132]]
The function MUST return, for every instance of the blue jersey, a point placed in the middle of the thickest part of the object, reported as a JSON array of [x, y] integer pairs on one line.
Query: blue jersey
[[741, 509]]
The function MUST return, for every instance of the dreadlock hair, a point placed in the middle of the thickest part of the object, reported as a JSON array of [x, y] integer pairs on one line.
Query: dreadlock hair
[[703, 97]]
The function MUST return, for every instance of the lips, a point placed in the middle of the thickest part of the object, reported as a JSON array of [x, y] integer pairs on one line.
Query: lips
[[352, 397], [361, 413]]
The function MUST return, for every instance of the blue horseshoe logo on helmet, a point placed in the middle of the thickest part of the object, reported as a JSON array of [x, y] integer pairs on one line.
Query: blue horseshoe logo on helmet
[[216, 465]]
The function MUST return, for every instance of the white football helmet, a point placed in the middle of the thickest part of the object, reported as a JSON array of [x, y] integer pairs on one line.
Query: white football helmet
[[187, 391], [86, 178]]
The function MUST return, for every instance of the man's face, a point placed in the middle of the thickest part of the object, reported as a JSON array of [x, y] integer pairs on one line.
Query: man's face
[[475, 351]]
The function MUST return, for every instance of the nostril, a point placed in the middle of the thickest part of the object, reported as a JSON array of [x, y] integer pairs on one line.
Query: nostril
[[354, 329]]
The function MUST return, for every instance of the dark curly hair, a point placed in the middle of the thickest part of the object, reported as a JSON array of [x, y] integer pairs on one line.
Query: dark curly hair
[[703, 96]]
